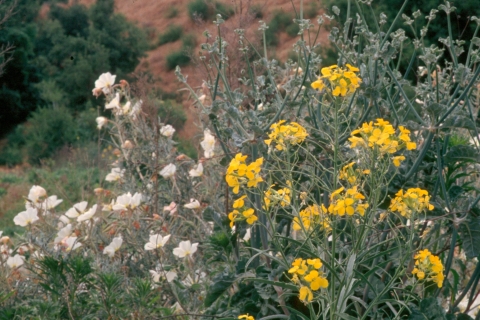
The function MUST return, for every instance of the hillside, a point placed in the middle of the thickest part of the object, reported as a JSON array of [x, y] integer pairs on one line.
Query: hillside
[[156, 16]]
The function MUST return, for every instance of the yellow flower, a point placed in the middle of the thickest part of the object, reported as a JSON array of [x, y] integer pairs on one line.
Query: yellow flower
[[397, 160], [381, 135], [239, 173], [239, 202], [342, 82], [414, 200], [286, 135], [310, 216], [307, 274], [347, 203], [428, 267], [246, 317], [280, 196], [306, 294]]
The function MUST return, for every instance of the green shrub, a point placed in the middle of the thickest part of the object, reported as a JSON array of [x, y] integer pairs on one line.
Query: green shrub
[[200, 9], [280, 21], [171, 112], [172, 34], [177, 58], [292, 30], [312, 10], [48, 130], [187, 147], [256, 11], [189, 41], [225, 10], [172, 12]]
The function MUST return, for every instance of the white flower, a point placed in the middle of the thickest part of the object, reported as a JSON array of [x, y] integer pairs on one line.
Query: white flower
[[35, 196], [27, 217], [194, 204], [101, 121], [87, 215], [15, 261], [113, 246], [108, 206], [156, 241], [105, 82], [247, 235], [62, 221], [115, 174], [197, 171], [50, 203], [126, 107], [260, 107], [167, 131], [185, 249], [71, 244], [77, 209], [208, 144], [168, 171], [127, 201], [115, 103], [63, 233], [136, 109], [172, 208], [170, 275]]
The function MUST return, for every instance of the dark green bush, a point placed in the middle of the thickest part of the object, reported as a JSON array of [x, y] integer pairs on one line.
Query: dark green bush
[[200, 9], [172, 34], [48, 130], [256, 11], [292, 30], [178, 58]]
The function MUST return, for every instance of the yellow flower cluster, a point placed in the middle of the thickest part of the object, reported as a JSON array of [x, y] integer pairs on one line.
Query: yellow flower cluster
[[428, 267], [347, 202], [350, 174], [306, 273], [241, 213], [239, 173], [312, 216], [413, 200], [246, 317], [283, 135], [343, 82], [280, 196], [381, 135]]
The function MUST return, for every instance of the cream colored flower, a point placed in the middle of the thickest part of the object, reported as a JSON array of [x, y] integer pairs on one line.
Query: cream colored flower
[[101, 121], [194, 204], [167, 131], [156, 241], [185, 249], [197, 171], [115, 174], [35, 196], [113, 246], [105, 82], [71, 243], [127, 201], [63, 233], [15, 261], [26, 217], [87, 215], [208, 144], [168, 171], [114, 103], [77, 209]]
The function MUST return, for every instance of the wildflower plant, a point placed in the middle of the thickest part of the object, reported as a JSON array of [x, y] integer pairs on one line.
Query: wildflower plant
[[323, 192]]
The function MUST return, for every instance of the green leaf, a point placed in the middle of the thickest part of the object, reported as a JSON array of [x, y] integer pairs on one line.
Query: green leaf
[[460, 153], [429, 310], [221, 283], [470, 235]]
